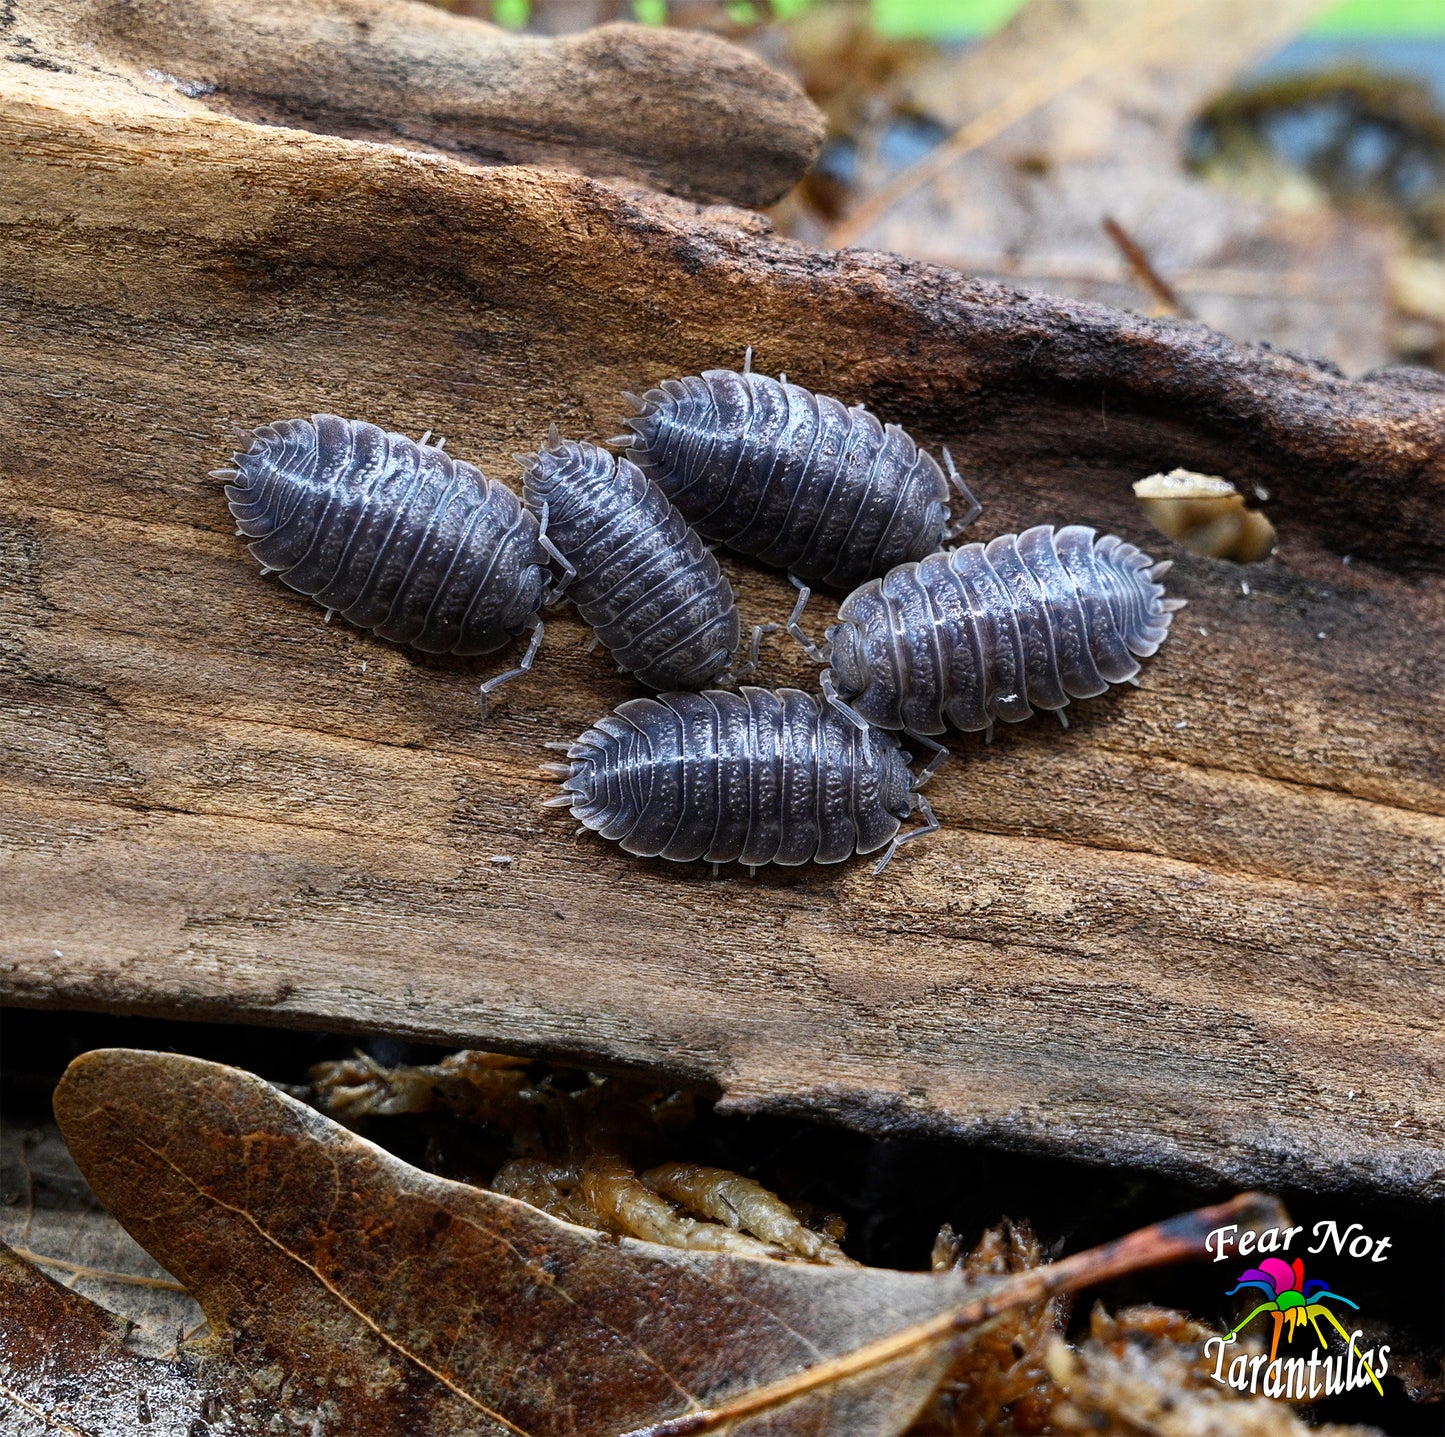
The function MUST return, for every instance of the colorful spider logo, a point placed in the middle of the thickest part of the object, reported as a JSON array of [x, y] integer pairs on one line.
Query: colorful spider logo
[[1293, 1300]]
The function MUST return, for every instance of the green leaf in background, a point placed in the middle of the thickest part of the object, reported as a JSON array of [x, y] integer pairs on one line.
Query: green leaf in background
[[956, 19], [961, 19], [1383, 17]]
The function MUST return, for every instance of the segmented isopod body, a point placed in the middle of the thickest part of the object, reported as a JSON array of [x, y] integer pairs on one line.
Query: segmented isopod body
[[753, 777], [644, 580], [794, 478], [993, 631], [398, 537]]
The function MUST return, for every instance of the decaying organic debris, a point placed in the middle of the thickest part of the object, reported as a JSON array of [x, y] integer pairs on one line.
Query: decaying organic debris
[[416, 1300], [344, 1286], [1141, 1370], [1207, 515], [575, 1152], [1000, 1382]]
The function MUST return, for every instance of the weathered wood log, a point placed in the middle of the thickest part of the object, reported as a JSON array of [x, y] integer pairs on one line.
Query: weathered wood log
[[680, 110], [1194, 932]]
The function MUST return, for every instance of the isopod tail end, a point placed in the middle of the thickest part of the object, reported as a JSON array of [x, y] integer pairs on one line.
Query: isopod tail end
[[1173, 606], [639, 405], [1160, 569]]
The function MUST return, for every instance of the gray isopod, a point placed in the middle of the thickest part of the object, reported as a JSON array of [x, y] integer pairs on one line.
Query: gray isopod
[[645, 582], [752, 777], [986, 632], [794, 478], [398, 537]]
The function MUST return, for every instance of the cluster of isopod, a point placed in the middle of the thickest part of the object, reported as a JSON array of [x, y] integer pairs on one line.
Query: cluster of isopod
[[405, 540]]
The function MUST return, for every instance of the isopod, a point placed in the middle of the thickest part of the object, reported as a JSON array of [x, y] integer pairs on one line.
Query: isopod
[[794, 478], [397, 537], [650, 588], [992, 631], [753, 777]]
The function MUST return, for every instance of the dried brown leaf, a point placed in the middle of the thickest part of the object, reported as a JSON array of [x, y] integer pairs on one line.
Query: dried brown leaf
[[348, 1289], [51, 1218], [65, 1367]]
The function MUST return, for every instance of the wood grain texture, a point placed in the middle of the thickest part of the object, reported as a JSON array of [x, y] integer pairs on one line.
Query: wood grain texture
[[680, 110], [1195, 932]]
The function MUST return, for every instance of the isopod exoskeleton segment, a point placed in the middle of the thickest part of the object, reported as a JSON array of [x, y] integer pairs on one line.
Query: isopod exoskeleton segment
[[640, 576], [793, 478], [397, 537], [753, 777], [992, 631]]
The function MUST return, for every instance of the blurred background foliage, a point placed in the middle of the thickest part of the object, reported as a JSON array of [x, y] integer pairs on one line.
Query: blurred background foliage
[[1275, 168]]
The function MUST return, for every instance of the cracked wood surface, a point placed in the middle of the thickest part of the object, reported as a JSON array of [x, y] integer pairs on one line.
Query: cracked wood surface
[[1194, 932]]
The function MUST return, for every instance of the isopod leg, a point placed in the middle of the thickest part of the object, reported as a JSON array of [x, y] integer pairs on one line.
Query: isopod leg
[[975, 508], [491, 685], [931, 767], [755, 645], [558, 555], [795, 626], [850, 713], [930, 825]]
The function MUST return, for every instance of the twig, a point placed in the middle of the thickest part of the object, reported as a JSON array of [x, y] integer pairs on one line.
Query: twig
[[1176, 1240], [1124, 39], [1149, 278]]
